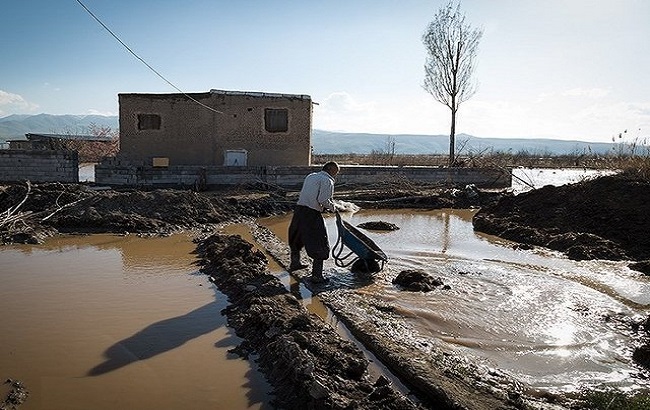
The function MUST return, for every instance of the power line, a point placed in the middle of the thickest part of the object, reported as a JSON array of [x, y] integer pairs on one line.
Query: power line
[[142, 60]]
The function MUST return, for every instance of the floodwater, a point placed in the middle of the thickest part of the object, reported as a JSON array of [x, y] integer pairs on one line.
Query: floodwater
[[550, 322], [525, 179], [105, 322], [111, 322]]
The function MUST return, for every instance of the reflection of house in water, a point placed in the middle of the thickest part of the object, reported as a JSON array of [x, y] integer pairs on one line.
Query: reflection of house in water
[[215, 128]]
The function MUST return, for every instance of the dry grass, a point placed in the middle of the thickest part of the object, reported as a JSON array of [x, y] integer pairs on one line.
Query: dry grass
[[631, 158]]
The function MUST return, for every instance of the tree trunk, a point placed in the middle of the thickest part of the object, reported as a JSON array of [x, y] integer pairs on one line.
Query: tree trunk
[[452, 139]]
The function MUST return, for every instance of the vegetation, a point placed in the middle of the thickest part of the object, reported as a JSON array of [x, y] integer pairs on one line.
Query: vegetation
[[631, 157], [451, 46], [106, 145]]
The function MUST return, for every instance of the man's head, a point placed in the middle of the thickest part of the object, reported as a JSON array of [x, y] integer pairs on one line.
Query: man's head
[[331, 168]]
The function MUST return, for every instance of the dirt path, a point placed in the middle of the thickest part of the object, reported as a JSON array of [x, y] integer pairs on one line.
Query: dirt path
[[305, 360]]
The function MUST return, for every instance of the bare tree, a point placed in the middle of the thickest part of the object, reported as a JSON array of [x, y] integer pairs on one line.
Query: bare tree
[[451, 46]]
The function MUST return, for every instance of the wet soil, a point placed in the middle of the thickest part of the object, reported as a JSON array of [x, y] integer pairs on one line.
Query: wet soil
[[307, 363], [603, 218], [31, 213]]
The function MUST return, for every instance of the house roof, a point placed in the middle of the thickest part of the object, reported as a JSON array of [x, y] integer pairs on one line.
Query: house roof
[[261, 94]]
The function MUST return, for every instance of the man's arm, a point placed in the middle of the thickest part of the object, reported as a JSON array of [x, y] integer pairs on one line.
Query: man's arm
[[326, 194]]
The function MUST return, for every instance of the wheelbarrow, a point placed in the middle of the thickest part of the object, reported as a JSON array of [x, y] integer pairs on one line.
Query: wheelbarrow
[[364, 255]]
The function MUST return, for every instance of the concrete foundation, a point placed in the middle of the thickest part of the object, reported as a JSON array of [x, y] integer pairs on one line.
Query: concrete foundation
[[118, 173]]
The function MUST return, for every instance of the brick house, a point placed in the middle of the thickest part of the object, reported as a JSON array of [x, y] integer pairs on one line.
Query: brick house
[[216, 128]]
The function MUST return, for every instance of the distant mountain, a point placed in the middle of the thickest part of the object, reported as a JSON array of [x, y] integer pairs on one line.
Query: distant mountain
[[326, 142], [16, 126]]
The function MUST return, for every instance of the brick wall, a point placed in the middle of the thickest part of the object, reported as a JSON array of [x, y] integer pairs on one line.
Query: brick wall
[[39, 165], [187, 133]]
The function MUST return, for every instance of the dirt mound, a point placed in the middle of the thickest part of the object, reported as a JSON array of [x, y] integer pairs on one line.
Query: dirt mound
[[306, 361], [417, 281], [603, 218], [423, 197], [34, 212]]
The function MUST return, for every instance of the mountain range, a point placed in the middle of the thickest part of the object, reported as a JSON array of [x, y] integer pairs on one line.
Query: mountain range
[[328, 142]]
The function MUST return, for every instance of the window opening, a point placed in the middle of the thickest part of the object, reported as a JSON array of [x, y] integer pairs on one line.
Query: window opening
[[148, 121], [276, 119]]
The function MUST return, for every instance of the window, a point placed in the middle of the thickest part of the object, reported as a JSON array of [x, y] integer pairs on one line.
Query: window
[[276, 119], [148, 121]]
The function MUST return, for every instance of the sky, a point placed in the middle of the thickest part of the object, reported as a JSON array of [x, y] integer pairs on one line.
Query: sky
[[564, 69]]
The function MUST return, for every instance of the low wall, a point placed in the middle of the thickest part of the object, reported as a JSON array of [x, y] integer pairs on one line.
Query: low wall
[[117, 172], [39, 165]]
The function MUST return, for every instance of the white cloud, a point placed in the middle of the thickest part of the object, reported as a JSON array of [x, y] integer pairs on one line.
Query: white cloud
[[577, 114], [586, 92], [341, 111], [559, 117], [14, 104], [97, 112]]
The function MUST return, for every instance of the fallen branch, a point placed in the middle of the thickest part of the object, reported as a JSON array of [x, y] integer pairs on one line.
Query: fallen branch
[[12, 210]]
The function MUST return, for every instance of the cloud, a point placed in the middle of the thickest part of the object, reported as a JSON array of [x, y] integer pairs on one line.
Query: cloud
[[586, 92], [341, 111], [14, 104], [575, 114], [104, 113]]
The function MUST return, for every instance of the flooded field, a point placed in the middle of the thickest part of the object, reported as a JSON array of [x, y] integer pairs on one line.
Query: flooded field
[[108, 322], [552, 323]]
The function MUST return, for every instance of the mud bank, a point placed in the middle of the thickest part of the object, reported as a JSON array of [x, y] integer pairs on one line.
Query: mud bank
[[305, 360], [603, 218], [32, 212]]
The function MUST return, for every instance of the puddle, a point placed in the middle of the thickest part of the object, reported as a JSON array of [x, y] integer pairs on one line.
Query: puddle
[[106, 322]]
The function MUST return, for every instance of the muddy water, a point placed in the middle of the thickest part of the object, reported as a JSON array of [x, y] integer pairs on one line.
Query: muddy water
[[107, 322], [548, 321]]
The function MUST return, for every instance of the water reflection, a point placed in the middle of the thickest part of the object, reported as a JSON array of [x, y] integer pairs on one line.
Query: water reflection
[[533, 313]]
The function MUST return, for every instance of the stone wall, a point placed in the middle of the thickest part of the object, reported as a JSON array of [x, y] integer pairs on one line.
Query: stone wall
[[117, 172], [39, 165]]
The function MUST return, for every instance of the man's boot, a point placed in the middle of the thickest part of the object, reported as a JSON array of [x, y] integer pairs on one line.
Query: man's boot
[[317, 271], [295, 262]]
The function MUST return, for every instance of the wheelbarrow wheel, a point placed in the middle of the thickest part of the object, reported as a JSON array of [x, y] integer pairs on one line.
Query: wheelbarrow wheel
[[365, 266]]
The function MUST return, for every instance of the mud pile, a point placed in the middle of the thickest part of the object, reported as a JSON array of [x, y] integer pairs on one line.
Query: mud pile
[[308, 364], [30, 213], [603, 218], [423, 196]]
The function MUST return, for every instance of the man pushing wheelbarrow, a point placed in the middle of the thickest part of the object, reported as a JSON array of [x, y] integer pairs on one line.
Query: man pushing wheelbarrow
[[307, 228]]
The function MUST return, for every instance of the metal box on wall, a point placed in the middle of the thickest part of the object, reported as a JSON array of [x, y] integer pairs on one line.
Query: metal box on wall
[[235, 158]]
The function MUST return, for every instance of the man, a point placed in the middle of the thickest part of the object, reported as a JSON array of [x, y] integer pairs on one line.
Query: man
[[307, 229]]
